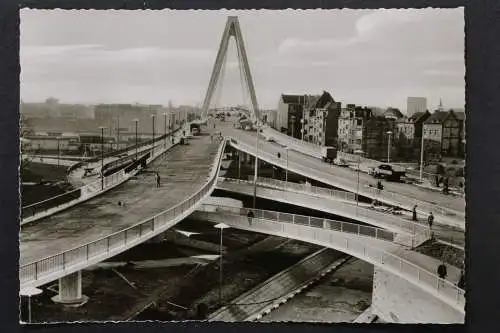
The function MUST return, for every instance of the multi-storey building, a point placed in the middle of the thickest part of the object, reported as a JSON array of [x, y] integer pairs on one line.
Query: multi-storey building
[[445, 130], [415, 104], [290, 114], [320, 125], [376, 133], [350, 128]]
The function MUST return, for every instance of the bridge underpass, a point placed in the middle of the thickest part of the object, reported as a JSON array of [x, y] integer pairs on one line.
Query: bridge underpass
[[451, 210], [59, 246], [371, 244]]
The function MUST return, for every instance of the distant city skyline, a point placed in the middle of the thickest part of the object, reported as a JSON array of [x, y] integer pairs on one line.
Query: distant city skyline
[[364, 57]]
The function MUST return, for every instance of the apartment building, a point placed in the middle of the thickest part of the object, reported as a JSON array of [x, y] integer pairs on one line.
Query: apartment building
[[320, 125], [350, 127], [445, 129]]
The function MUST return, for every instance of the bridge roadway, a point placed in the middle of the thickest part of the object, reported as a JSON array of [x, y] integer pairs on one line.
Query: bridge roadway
[[415, 233], [344, 206], [183, 171], [345, 178], [367, 245]]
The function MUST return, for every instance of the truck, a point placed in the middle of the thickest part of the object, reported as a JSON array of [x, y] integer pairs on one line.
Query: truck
[[387, 172], [328, 154], [195, 129]]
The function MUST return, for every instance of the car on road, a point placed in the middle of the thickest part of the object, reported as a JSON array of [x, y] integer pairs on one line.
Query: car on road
[[328, 154], [387, 171]]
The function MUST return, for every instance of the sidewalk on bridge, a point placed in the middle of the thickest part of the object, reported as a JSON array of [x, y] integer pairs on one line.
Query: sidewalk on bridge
[[428, 263], [77, 179]]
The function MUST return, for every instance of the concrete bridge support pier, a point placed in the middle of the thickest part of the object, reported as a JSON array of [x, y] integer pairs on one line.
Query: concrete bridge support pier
[[70, 290], [395, 300]]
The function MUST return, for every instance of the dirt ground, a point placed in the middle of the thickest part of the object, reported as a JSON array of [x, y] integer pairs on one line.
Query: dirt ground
[[449, 254]]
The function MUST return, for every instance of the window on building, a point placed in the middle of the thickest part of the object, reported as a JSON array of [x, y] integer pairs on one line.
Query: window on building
[[359, 122]]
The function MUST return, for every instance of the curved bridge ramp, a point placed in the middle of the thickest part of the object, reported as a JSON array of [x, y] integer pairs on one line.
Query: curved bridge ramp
[[413, 233], [371, 246], [101, 227], [405, 196]]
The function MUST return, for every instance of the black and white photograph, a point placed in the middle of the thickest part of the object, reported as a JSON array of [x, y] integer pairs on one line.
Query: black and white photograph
[[242, 166]]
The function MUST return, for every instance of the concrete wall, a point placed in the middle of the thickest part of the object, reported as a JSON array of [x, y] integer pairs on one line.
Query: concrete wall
[[396, 300]]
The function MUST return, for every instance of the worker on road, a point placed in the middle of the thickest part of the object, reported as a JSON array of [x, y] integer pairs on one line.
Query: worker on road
[[158, 180], [414, 213]]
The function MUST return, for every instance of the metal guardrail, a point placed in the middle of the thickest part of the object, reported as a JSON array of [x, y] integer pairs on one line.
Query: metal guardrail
[[311, 221], [446, 290], [380, 195], [409, 226], [114, 243], [85, 192]]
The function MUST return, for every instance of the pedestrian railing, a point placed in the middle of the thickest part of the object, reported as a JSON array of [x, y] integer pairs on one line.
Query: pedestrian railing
[[311, 221], [380, 195], [419, 232], [53, 267], [60, 202], [268, 223]]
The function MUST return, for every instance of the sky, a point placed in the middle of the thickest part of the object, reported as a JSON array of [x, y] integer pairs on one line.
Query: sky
[[365, 57]]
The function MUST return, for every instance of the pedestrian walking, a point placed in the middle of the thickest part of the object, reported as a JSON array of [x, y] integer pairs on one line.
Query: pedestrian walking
[[461, 280], [430, 220], [442, 271], [157, 179], [414, 213], [250, 218]]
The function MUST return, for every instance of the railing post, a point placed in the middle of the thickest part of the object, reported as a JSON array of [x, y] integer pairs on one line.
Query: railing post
[[107, 244], [376, 233], [293, 218], [359, 229], [309, 218], [36, 270], [87, 252], [64, 260]]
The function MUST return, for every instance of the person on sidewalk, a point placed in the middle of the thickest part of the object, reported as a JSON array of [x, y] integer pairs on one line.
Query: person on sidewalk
[[158, 180], [414, 213], [442, 271], [461, 280], [430, 220], [250, 218]]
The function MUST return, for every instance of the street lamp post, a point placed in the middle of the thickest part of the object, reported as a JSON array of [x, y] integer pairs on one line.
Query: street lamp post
[[136, 121], [220, 226], [102, 157], [153, 147], [358, 152], [118, 134], [389, 133], [255, 175], [422, 156], [58, 151], [286, 169], [165, 115], [29, 292]]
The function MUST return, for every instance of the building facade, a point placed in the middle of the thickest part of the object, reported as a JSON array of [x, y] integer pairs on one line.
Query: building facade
[[444, 131], [320, 125], [350, 127], [415, 104], [290, 114]]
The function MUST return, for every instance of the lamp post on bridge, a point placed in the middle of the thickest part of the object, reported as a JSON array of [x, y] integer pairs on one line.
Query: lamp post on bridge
[[58, 151], [389, 133], [220, 226], [165, 115], [29, 292], [102, 156], [256, 165], [136, 121], [153, 147], [359, 153], [422, 155]]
